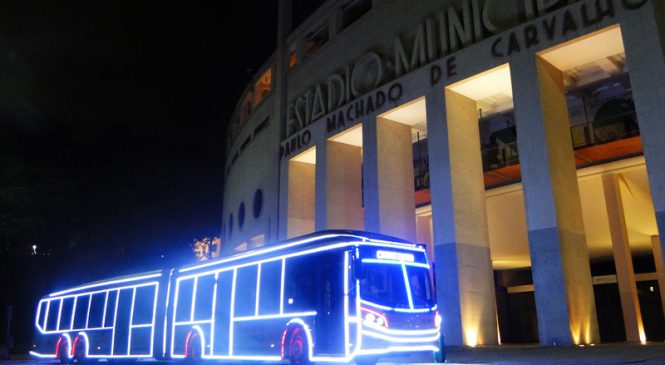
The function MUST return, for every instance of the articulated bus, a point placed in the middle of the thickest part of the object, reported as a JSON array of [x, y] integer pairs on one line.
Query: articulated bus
[[332, 296]]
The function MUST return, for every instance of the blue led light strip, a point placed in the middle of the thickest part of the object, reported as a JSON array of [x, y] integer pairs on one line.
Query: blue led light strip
[[106, 283]]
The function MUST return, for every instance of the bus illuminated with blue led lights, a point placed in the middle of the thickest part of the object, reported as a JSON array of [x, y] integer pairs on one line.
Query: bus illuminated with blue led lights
[[332, 296]]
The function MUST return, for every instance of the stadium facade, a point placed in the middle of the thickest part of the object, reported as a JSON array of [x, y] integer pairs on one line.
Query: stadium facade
[[522, 141]]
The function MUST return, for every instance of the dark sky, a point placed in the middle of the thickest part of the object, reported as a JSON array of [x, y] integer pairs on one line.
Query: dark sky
[[116, 110], [112, 129], [112, 123]]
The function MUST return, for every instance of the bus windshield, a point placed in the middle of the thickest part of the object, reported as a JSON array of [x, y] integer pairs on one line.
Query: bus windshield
[[386, 284]]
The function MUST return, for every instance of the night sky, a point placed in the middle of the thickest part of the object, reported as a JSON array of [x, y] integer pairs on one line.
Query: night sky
[[112, 132]]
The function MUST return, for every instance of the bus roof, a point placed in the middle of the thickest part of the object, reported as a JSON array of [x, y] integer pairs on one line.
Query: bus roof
[[309, 240], [110, 282]]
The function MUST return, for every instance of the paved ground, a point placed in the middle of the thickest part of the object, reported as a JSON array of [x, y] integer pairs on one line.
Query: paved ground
[[650, 354], [614, 354]]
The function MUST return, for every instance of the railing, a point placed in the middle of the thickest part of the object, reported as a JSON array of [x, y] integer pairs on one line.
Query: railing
[[604, 129]]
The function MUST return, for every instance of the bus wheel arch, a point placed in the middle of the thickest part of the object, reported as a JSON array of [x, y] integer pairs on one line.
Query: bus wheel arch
[[295, 345], [62, 349], [194, 344]]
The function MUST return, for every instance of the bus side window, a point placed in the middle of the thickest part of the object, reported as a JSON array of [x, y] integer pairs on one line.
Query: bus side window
[[52, 320], [299, 289], [96, 310], [184, 301], [109, 318], [271, 277], [42, 313], [203, 304], [81, 314], [66, 314], [144, 304], [245, 301]]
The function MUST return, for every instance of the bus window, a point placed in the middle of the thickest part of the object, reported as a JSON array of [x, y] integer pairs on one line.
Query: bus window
[[299, 286], [42, 313], [384, 284], [144, 305], [66, 314], [110, 308], [81, 314], [121, 324], [245, 301], [204, 292], [271, 277], [421, 291], [52, 320], [184, 304], [96, 310]]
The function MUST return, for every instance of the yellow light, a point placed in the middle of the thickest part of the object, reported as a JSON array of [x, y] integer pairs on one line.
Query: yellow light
[[471, 336]]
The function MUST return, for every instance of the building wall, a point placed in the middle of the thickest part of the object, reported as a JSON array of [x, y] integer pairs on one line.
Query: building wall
[[399, 59]]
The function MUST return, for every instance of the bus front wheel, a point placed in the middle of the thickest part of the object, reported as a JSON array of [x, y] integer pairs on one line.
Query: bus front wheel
[[299, 348], [62, 350], [440, 356]]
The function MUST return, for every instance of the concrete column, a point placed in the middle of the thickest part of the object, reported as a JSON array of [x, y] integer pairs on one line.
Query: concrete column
[[301, 198], [644, 37], [424, 233], [280, 95], [397, 205], [371, 175], [321, 186], [660, 267], [343, 200], [283, 206], [565, 302], [623, 261], [464, 276]]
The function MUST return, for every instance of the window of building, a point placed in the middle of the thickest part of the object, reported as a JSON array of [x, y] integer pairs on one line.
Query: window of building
[[352, 10], [257, 204], [316, 39], [241, 215], [263, 86], [293, 58], [230, 225]]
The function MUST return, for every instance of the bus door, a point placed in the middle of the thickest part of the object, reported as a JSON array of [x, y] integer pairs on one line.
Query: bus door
[[330, 303]]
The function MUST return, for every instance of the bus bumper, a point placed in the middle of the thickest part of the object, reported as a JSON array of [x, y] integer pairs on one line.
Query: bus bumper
[[384, 341]]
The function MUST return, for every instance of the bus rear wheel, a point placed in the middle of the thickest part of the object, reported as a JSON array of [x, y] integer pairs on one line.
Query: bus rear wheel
[[193, 347], [62, 350], [79, 351], [299, 348]]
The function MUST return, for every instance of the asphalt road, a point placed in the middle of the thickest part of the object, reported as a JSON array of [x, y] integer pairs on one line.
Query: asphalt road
[[612, 354]]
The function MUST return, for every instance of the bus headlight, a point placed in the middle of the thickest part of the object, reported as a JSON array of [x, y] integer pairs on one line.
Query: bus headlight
[[371, 317]]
